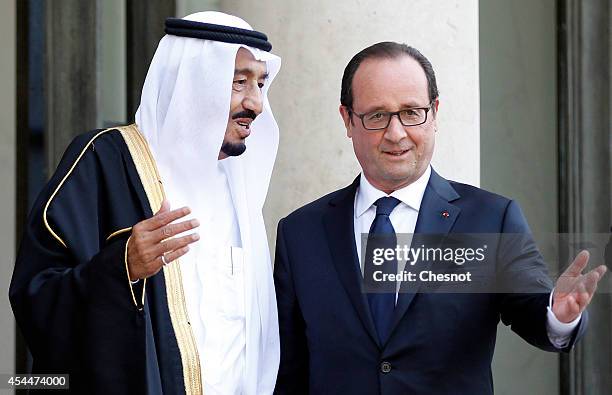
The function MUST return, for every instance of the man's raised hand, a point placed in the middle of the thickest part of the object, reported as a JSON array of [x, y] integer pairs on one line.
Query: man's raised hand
[[574, 290], [152, 239]]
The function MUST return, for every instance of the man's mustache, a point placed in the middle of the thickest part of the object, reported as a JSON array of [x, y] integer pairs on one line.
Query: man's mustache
[[245, 114]]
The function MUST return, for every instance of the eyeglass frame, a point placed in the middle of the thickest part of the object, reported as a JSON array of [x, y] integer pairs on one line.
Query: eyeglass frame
[[391, 114]]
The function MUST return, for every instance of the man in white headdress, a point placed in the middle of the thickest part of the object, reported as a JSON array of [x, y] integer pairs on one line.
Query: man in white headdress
[[114, 287]]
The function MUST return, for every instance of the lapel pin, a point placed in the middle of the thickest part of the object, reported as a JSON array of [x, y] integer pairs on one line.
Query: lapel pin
[[445, 214]]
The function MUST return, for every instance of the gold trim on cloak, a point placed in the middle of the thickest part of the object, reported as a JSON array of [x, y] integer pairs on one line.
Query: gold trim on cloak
[[61, 183], [118, 232], [149, 176]]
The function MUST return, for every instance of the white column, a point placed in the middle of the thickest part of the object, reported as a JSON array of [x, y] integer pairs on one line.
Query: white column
[[186, 7], [112, 63], [519, 154]]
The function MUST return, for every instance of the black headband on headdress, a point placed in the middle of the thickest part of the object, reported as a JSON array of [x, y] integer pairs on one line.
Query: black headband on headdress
[[209, 31]]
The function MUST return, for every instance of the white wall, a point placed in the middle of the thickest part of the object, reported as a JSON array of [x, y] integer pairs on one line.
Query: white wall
[[316, 39], [8, 15]]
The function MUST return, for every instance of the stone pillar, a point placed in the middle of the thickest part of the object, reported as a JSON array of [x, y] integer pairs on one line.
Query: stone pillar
[[71, 70], [585, 148], [145, 27], [186, 7], [518, 109]]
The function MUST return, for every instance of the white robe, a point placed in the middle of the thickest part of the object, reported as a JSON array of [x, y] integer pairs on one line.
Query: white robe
[[183, 115]]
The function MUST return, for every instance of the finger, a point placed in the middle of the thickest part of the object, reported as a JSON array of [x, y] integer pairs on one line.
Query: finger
[[174, 229], [164, 218], [165, 206], [176, 254], [584, 292], [581, 293], [153, 251], [590, 281], [578, 265], [174, 244], [602, 269]]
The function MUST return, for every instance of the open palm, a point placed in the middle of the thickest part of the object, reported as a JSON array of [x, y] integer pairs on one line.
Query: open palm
[[574, 290]]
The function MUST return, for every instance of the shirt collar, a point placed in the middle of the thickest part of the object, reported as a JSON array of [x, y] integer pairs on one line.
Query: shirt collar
[[411, 195]]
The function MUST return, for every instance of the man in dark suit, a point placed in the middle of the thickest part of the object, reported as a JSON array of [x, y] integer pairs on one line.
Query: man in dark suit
[[338, 337]]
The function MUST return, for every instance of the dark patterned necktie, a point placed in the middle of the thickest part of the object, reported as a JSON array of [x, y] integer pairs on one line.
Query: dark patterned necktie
[[381, 295]]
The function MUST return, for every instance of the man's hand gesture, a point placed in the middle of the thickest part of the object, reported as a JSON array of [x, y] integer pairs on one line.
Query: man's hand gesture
[[574, 290], [151, 240]]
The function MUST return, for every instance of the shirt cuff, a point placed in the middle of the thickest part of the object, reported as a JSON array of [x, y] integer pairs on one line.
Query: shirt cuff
[[559, 333]]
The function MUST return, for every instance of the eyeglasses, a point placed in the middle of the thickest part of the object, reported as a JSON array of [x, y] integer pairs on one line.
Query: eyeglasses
[[377, 120]]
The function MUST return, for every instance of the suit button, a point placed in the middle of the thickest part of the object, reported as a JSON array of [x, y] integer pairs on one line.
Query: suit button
[[385, 367]]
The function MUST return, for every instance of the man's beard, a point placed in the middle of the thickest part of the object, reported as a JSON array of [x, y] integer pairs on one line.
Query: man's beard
[[233, 149]]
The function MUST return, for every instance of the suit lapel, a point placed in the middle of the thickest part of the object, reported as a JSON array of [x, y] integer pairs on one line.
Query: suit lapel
[[431, 220], [338, 222]]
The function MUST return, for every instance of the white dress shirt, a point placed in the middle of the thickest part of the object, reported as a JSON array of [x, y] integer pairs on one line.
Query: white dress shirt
[[404, 218]]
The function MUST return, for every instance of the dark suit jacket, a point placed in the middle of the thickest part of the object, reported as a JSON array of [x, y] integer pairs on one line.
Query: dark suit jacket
[[440, 343]]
